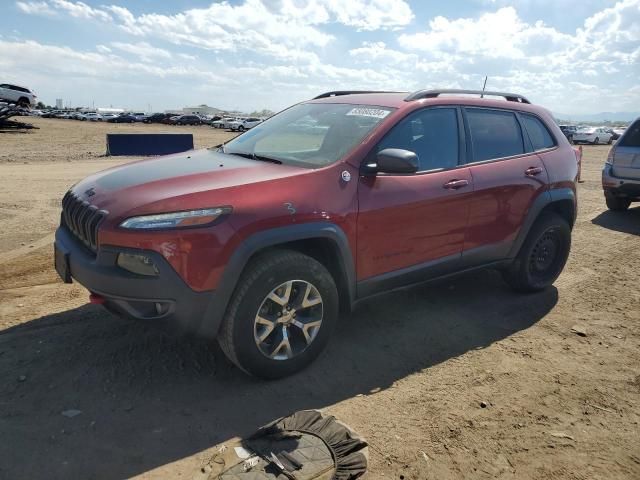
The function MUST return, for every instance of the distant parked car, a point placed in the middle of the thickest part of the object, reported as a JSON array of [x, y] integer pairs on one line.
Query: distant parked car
[[92, 117], [157, 117], [592, 135], [246, 124], [186, 120], [568, 131], [107, 116], [17, 94], [224, 122], [124, 118], [621, 173]]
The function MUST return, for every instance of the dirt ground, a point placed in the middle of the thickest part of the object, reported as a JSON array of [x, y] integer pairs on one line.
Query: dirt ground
[[459, 379]]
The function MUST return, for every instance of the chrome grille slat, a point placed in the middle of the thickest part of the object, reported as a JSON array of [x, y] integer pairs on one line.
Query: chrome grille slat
[[82, 219]]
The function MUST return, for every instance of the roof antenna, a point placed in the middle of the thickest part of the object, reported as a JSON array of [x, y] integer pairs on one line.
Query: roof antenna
[[484, 86]]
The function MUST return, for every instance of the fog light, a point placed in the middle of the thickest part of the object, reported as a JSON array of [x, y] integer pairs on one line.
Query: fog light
[[138, 264]]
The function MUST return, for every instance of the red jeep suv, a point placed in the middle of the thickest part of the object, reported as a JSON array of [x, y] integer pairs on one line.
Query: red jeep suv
[[263, 240]]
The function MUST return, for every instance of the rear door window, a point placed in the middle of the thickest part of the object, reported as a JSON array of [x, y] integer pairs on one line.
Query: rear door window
[[494, 134], [432, 134], [538, 133]]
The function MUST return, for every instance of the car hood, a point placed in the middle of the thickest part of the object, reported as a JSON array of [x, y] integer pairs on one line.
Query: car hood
[[190, 180]]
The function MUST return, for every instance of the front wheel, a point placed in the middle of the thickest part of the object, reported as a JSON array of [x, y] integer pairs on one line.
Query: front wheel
[[281, 315], [596, 141], [542, 256]]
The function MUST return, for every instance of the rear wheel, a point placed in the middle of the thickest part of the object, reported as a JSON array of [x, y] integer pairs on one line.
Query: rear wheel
[[596, 141], [281, 315], [542, 256], [617, 204]]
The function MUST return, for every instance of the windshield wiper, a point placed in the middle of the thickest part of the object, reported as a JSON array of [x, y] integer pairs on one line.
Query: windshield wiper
[[253, 156]]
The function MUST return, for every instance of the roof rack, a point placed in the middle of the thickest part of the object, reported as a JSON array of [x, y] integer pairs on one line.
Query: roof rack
[[339, 93], [419, 94]]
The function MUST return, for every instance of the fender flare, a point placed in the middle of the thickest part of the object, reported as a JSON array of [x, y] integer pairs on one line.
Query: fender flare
[[539, 204], [271, 238]]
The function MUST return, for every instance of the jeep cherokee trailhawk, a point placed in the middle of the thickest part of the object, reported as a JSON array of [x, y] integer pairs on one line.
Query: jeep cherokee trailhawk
[[262, 241]]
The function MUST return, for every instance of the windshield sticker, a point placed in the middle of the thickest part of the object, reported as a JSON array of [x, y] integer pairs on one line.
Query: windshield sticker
[[369, 112]]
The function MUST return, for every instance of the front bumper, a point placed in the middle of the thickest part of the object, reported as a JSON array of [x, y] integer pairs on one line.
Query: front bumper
[[165, 299], [619, 187]]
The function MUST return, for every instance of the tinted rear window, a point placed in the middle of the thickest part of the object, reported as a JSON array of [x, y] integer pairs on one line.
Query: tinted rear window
[[494, 134], [538, 133], [631, 138]]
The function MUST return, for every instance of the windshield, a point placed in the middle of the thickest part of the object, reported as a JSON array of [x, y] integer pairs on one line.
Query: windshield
[[310, 134]]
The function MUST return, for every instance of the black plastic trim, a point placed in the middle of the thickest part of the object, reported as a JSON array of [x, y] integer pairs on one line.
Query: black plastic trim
[[432, 270], [270, 238], [100, 274]]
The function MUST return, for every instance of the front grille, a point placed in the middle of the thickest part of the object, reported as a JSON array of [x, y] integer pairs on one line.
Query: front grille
[[82, 219]]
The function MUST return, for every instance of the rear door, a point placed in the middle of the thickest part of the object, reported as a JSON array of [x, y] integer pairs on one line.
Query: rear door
[[507, 177], [412, 220], [626, 154]]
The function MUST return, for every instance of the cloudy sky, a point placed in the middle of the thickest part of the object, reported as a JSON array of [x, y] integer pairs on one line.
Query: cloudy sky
[[570, 56]]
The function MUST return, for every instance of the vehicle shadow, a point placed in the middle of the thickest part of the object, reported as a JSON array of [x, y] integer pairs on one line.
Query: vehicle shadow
[[148, 399], [626, 222]]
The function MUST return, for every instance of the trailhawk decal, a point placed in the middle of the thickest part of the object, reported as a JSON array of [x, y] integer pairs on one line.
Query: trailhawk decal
[[368, 112]]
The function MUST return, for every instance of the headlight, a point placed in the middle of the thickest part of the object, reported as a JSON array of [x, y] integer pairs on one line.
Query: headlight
[[191, 218]]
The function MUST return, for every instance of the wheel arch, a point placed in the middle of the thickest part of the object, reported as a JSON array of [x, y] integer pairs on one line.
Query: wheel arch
[[325, 242], [561, 201]]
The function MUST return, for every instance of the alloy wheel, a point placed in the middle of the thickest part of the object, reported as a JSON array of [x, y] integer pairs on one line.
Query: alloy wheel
[[288, 320]]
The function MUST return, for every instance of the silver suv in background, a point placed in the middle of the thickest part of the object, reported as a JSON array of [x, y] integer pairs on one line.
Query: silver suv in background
[[17, 94], [621, 173]]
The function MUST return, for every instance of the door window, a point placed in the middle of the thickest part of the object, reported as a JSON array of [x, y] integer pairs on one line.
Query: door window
[[432, 134], [494, 134], [538, 133]]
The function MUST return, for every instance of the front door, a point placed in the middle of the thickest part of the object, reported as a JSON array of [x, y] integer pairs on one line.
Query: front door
[[406, 222]]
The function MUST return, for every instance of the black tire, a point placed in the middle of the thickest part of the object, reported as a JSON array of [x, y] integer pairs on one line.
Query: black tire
[[24, 102], [610, 141], [241, 128], [260, 278], [542, 256], [617, 204], [596, 141]]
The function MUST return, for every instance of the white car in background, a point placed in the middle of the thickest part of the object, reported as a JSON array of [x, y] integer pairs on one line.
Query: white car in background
[[223, 122], [592, 135], [92, 116], [246, 124], [107, 116], [17, 94]]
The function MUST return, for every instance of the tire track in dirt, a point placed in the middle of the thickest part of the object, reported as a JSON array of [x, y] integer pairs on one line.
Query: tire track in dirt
[[26, 249]]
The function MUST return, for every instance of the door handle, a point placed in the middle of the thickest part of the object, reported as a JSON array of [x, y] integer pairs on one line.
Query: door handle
[[455, 184], [533, 171]]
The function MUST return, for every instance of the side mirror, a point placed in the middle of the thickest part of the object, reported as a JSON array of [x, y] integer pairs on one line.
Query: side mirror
[[396, 160]]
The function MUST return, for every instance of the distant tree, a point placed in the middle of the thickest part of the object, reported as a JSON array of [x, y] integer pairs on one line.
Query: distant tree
[[40, 106]]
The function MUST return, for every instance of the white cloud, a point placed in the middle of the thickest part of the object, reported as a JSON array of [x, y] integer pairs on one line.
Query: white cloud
[[499, 34], [142, 50], [103, 49], [81, 10], [35, 8]]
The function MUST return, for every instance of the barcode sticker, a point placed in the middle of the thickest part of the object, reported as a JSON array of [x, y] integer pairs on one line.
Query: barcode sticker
[[368, 112]]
